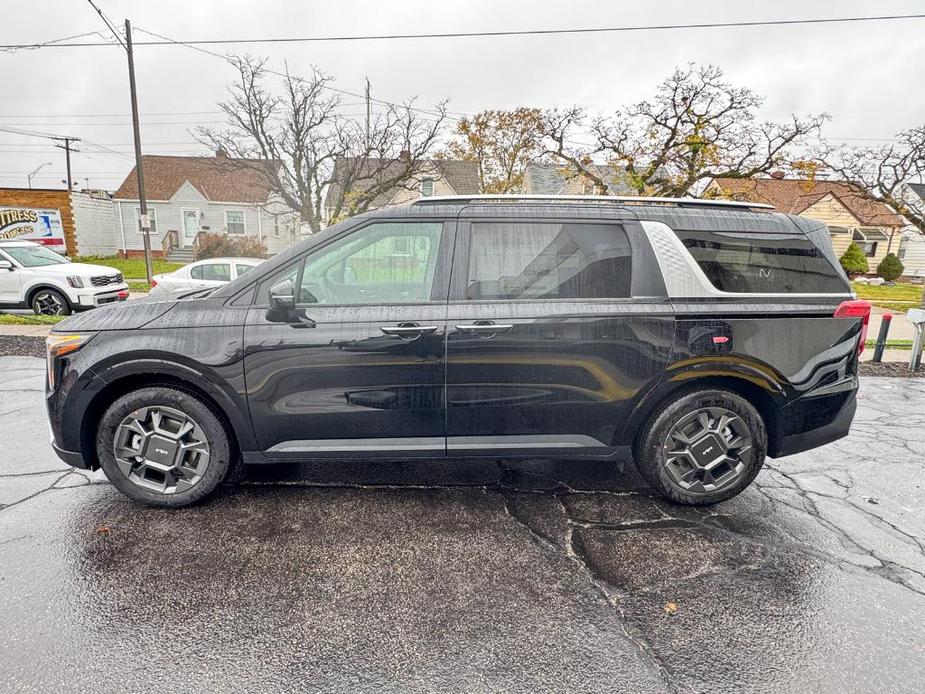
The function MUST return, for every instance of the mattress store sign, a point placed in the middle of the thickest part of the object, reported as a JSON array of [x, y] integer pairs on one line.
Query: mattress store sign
[[30, 224]]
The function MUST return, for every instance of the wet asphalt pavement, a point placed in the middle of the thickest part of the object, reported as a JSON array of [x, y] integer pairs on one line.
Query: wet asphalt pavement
[[422, 577]]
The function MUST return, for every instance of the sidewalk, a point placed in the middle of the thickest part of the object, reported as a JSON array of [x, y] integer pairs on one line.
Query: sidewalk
[[900, 327], [26, 330]]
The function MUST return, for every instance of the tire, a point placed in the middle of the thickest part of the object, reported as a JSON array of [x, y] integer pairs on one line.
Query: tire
[[698, 429], [163, 447], [50, 302]]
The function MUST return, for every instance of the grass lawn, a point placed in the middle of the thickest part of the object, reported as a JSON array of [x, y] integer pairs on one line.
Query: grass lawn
[[890, 344], [131, 268], [138, 285], [23, 319], [899, 297]]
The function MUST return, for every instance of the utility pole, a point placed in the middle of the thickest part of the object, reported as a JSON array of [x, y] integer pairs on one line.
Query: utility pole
[[67, 155], [368, 111], [145, 223]]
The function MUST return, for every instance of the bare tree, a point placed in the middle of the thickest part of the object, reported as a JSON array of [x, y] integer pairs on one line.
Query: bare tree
[[301, 144], [697, 128], [877, 173]]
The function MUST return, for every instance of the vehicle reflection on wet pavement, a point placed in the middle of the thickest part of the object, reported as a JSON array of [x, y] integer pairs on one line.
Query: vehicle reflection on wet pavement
[[479, 577]]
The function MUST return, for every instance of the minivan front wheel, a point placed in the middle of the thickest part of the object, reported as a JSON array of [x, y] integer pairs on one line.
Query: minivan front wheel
[[163, 446], [703, 448]]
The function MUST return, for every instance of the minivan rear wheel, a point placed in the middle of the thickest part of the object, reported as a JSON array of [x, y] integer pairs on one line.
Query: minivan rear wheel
[[703, 448], [163, 446]]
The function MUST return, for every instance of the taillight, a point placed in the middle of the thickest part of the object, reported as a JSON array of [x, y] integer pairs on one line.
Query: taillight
[[153, 283], [856, 309]]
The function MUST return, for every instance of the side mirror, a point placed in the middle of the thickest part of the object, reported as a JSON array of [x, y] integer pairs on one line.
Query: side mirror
[[6, 265], [282, 302]]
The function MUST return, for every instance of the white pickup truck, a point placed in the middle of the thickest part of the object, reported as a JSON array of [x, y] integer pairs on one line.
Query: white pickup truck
[[36, 277]]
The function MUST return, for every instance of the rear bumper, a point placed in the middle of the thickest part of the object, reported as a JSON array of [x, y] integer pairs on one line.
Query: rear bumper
[[816, 421]]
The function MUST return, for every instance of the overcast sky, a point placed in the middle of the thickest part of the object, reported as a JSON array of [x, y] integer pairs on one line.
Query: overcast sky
[[868, 76]]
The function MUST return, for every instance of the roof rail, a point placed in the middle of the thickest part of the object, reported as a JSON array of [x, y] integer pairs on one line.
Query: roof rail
[[622, 199]]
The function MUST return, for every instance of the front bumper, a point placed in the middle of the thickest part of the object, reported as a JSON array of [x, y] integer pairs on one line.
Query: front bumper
[[101, 298]]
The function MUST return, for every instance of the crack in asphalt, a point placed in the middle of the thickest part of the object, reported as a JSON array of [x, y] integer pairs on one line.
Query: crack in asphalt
[[574, 554]]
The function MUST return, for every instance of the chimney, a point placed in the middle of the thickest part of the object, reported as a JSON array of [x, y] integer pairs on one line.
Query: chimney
[[405, 156], [777, 175], [220, 153]]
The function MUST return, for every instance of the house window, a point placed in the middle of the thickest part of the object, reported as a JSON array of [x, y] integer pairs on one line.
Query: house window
[[838, 230], [276, 226], [234, 221], [152, 215], [867, 238], [427, 188], [901, 253]]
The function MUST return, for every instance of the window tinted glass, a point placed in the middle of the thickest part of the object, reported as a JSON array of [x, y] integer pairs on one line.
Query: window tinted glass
[[381, 263], [218, 272], [516, 260], [792, 264]]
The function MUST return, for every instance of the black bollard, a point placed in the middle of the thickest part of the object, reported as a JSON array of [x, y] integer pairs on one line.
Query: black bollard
[[881, 337]]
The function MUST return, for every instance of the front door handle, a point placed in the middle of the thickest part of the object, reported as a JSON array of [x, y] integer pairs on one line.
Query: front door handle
[[406, 330], [485, 327]]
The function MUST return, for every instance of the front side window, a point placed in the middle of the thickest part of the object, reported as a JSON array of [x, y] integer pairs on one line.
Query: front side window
[[526, 261], [214, 272], [35, 256], [381, 263], [234, 221], [763, 266]]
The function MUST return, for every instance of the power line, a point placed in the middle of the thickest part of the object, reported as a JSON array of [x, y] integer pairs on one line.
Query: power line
[[491, 34], [227, 59], [107, 23]]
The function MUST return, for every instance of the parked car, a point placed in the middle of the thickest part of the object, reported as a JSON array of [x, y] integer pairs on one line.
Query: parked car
[[203, 274], [36, 277], [695, 337]]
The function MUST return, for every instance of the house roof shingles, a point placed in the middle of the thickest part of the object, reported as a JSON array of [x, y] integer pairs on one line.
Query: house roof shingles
[[549, 179], [462, 176], [219, 179], [794, 195], [918, 189]]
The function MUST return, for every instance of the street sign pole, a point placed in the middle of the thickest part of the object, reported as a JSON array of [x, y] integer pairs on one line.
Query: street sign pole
[[139, 171]]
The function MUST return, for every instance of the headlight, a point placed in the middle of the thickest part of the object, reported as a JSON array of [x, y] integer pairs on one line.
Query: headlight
[[75, 281], [57, 346]]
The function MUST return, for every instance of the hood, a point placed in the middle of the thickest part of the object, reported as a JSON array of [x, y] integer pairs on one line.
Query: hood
[[81, 269], [126, 315]]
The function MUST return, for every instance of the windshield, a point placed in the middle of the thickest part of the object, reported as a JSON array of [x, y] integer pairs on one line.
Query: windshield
[[35, 256]]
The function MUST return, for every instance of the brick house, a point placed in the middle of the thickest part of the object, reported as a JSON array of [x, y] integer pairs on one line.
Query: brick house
[[848, 213], [189, 195]]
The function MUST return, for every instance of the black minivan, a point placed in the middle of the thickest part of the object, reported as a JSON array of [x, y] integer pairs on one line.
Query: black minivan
[[694, 336]]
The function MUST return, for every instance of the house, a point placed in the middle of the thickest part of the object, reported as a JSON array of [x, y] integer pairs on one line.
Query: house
[[436, 177], [550, 179], [912, 242], [849, 214], [189, 195]]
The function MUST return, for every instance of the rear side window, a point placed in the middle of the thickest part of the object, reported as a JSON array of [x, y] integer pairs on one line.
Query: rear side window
[[766, 266], [526, 261]]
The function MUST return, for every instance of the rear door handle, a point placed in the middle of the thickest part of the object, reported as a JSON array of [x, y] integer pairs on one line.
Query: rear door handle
[[485, 327], [408, 329]]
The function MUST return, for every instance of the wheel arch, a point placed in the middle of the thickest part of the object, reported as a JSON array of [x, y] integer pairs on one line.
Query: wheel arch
[[767, 403], [128, 382], [34, 289]]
